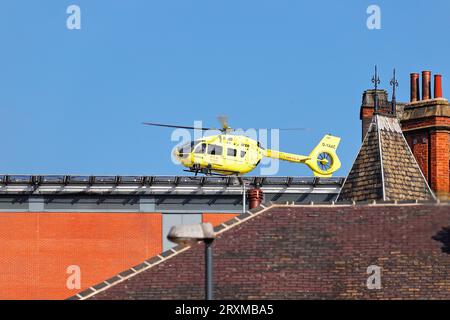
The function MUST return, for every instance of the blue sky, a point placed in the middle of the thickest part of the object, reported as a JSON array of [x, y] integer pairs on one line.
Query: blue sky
[[71, 101]]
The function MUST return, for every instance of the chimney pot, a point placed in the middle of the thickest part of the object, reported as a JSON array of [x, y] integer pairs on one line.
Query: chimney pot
[[415, 91], [437, 86], [426, 85], [255, 197]]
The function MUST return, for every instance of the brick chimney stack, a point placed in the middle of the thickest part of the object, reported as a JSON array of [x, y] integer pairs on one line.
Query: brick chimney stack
[[426, 126], [368, 107]]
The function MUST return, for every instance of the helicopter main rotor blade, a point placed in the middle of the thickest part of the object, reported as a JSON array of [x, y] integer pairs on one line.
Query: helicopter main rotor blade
[[175, 126], [284, 129], [293, 129]]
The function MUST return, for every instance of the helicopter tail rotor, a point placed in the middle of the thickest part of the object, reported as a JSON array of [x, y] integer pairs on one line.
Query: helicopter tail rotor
[[323, 159]]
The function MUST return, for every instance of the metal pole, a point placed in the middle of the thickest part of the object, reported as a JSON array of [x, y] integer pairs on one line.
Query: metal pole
[[208, 270], [244, 205], [394, 84], [376, 82]]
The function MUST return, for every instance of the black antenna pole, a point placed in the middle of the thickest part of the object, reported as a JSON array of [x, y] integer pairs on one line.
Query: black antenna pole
[[394, 84], [376, 82]]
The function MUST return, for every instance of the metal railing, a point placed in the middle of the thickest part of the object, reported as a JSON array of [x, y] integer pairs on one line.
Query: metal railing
[[37, 180]]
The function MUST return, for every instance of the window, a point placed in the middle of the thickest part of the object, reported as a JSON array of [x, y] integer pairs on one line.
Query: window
[[243, 153], [185, 149], [214, 150], [201, 148], [231, 152]]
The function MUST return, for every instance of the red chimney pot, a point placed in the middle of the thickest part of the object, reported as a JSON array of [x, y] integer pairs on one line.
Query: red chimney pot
[[415, 91], [255, 197], [437, 86], [426, 85]]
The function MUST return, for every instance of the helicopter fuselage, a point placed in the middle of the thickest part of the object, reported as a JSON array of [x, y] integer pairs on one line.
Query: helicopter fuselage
[[232, 154], [224, 154]]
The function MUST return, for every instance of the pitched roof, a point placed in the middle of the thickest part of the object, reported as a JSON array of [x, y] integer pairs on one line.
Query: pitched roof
[[385, 168], [304, 251]]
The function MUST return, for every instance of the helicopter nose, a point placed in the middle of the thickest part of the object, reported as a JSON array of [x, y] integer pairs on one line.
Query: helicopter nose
[[177, 154], [182, 158]]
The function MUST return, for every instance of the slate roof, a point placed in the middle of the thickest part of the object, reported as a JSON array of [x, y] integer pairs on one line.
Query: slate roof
[[317, 251], [385, 168]]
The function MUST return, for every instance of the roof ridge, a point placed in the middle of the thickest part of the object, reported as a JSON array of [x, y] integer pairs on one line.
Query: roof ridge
[[380, 153]]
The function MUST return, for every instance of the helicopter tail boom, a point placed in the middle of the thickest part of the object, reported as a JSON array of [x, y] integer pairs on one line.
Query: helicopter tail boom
[[286, 156], [322, 160]]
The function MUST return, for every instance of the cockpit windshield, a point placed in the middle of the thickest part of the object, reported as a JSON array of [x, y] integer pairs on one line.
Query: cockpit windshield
[[186, 149], [200, 148]]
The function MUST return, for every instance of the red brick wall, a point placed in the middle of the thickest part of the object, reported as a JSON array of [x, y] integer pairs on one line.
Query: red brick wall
[[366, 114], [312, 252], [419, 144], [433, 156], [439, 170], [425, 122], [37, 248]]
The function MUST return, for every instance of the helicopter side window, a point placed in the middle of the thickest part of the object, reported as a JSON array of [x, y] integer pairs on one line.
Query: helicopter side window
[[243, 153], [214, 150], [201, 148], [185, 149], [231, 152]]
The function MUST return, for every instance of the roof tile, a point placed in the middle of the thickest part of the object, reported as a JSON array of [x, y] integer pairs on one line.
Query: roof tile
[[101, 285], [153, 260], [86, 292], [113, 279]]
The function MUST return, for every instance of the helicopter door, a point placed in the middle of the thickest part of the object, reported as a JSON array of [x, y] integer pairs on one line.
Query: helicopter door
[[232, 156], [214, 155], [232, 153], [199, 153]]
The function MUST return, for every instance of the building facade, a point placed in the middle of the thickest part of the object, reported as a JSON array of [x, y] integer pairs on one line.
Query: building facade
[[425, 122], [63, 234]]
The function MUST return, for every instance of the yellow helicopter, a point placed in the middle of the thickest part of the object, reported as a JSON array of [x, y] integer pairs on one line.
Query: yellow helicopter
[[231, 154]]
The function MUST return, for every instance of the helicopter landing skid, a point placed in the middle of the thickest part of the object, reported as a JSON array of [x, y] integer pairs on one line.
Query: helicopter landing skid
[[208, 172]]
